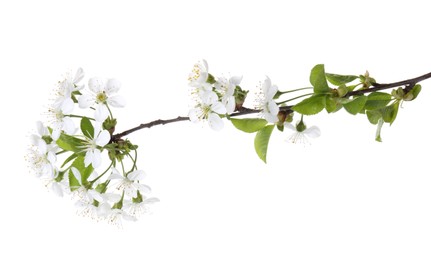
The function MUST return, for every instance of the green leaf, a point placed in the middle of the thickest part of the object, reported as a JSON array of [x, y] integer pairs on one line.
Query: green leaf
[[69, 143], [261, 141], [331, 104], [340, 80], [390, 112], [311, 105], [374, 116], [249, 125], [70, 158], [377, 100], [318, 79], [355, 105], [87, 127], [78, 163]]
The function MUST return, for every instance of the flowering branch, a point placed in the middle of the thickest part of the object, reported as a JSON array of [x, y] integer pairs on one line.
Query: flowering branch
[[119, 192]]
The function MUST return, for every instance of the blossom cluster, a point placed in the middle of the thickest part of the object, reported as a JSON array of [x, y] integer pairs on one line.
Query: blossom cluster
[[218, 97], [76, 154]]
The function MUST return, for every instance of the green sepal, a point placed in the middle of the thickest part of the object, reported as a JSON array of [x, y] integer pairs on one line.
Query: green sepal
[[311, 105], [87, 127], [355, 105], [249, 125], [412, 94], [211, 79], [340, 80], [318, 79], [261, 141], [377, 100]]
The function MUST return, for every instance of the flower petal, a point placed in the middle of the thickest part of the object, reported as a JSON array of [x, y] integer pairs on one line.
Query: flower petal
[[273, 108], [88, 159], [101, 113], [218, 108], [103, 138], [312, 132], [138, 175], [272, 90], [76, 174], [194, 114], [86, 101], [117, 101], [97, 158], [78, 76], [215, 122], [235, 80], [112, 86], [290, 126], [96, 85], [56, 188], [68, 125], [67, 105]]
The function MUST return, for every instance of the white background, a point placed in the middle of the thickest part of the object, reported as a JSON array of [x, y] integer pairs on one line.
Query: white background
[[344, 197]]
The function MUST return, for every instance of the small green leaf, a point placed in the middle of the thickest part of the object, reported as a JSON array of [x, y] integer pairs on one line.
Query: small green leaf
[[377, 100], [318, 79], [249, 125], [355, 105], [340, 80], [87, 127], [374, 116], [311, 105], [390, 112], [69, 143], [261, 141]]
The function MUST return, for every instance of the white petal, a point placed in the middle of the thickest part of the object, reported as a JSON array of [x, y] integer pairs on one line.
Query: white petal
[[95, 195], [205, 64], [86, 101], [103, 138], [52, 158], [208, 96], [112, 86], [138, 175], [312, 132], [230, 105], [290, 126], [97, 158], [42, 146], [78, 76], [215, 122], [273, 108], [235, 80], [41, 129], [56, 188], [67, 106], [270, 118], [266, 85], [218, 108], [68, 125], [88, 159], [56, 133], [144, 188], [101, 113], [272, 90], [194, 114], [115, 176], [76, 174], [151, 200], [117, 101], [96, 85]]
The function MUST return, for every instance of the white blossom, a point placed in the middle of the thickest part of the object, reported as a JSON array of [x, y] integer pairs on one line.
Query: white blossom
[[301, 133], [130, 183], [227, 90], [265, 101], [102, 93], [91, 146]]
